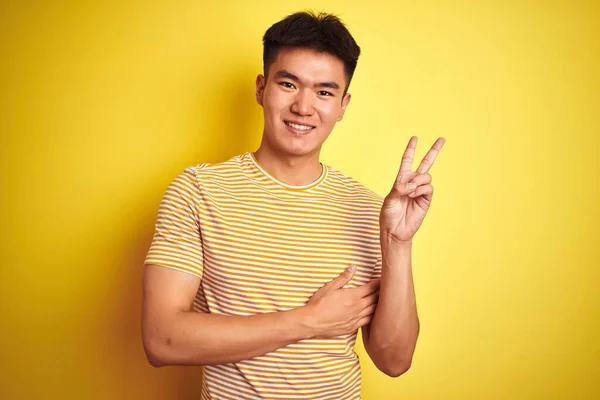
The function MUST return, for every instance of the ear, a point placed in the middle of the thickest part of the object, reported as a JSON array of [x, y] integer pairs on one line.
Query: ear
[[260, 88], [345, 102]]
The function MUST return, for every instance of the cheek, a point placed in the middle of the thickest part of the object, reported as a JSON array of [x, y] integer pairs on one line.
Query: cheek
[[274, 102], [330, 112]]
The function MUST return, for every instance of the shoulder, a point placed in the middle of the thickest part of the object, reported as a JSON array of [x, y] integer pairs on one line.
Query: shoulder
[[345, 184], [189, 182], [210, 171]]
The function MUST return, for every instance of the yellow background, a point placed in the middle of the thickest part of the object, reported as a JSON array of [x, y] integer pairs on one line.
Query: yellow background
[[103, 103]]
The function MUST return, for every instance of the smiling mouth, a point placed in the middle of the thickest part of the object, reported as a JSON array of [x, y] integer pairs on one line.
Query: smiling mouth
[[299, 127]]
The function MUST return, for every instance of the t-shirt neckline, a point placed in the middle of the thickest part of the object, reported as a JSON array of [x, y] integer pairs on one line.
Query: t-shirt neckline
[[319, 180]]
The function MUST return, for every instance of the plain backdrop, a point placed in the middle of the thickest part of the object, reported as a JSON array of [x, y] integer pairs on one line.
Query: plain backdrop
[[103, 103]]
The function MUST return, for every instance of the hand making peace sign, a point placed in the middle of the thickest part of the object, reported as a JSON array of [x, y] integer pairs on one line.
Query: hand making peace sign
[[405, 207]]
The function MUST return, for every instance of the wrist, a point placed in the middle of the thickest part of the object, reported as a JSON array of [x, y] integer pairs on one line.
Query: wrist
[[389, 242], [305, 322]]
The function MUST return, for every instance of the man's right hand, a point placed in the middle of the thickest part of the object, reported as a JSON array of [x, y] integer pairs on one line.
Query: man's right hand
[[174, 334], [338, 311]]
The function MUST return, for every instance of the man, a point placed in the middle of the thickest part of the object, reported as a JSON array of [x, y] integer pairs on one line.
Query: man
[[263, 267]]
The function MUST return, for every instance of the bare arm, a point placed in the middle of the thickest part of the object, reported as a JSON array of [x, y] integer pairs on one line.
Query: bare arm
[[391, 337], [174, 335]]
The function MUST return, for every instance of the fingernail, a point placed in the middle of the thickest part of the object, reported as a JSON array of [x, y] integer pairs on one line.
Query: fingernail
[[411, 186]]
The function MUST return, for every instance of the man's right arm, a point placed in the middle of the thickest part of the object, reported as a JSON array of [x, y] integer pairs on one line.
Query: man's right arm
[[173, 334]]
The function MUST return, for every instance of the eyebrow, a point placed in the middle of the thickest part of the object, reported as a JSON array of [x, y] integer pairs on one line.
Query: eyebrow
[[290, 76]]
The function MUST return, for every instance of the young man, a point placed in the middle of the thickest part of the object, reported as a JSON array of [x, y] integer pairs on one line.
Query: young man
[[263, 267]]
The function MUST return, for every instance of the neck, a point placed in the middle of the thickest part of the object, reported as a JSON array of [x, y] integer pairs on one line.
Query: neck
[[290, 169]]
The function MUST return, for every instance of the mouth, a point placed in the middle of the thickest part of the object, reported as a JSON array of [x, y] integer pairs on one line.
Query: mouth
[[299, 128]]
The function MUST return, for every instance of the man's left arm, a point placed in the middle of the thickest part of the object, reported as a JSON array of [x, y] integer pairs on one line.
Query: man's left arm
[[391, 336]]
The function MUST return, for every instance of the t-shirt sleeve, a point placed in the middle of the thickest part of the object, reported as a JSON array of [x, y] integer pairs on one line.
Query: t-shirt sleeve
[[177, 240]]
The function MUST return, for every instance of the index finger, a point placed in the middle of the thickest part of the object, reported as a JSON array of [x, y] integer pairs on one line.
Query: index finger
[[430, 156]]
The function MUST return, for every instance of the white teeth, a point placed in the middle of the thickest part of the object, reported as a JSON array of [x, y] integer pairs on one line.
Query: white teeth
[[301, 127]]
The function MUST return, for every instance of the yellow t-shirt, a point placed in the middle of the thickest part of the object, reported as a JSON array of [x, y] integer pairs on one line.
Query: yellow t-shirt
[[262, 246]]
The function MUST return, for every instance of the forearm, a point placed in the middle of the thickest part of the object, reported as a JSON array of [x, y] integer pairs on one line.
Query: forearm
[[394, 328], [194, 338]]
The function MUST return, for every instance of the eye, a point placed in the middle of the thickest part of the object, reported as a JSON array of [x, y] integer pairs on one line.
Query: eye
[[324, 93], [288, 85]]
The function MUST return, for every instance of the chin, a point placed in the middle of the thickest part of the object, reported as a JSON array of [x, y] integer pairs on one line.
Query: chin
[[300, 150], [295, 152]]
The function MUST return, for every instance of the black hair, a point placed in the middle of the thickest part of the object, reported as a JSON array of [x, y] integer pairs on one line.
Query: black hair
[[318, 31]]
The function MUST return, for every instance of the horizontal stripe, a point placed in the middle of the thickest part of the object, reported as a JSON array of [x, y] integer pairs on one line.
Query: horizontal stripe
[[259, 245]]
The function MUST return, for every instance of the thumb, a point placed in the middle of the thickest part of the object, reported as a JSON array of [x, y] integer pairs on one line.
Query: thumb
[[344, 277]]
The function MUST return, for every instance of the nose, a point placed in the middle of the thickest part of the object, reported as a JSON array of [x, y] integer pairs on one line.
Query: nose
[[303, 103]]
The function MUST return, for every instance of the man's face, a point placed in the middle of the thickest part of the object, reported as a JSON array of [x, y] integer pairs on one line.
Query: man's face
[[303, 98]]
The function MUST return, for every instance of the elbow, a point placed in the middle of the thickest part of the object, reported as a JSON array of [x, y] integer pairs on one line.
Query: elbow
[[389, 362], [156, 352], [155, 360], [397, 369]]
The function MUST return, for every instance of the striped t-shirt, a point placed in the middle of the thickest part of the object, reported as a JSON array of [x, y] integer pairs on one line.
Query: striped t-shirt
[[259, 246]]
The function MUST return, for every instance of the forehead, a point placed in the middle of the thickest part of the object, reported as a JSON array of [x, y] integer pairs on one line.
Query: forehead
[[309, 65]]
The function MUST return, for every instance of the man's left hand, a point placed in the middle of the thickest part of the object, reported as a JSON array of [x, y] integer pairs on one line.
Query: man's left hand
[[405, 207]]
